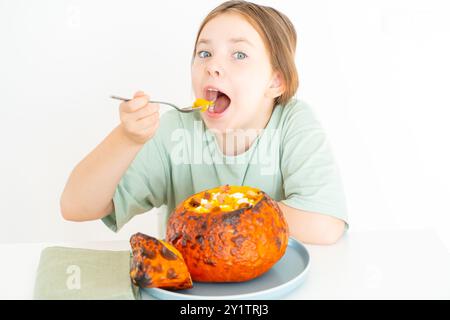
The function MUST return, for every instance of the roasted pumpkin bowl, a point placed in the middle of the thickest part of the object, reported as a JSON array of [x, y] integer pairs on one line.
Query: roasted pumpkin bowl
[[228, 234]]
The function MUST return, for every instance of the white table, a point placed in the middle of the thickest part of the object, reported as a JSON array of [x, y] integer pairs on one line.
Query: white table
[[389, 264]]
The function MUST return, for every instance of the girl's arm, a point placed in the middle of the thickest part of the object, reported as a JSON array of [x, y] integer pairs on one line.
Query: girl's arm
[[91, 186], [312, 228]]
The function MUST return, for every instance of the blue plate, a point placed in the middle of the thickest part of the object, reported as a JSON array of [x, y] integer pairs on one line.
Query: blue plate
[[286, 275]]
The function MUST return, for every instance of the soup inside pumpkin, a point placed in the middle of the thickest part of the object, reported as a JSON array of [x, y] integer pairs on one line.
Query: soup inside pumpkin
[[225, 198]]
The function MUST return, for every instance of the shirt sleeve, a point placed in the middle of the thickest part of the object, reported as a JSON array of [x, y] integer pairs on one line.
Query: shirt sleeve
[[311, 177], [141, 188]]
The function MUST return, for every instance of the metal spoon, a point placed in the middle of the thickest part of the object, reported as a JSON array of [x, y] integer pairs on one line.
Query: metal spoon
[[185, 110]]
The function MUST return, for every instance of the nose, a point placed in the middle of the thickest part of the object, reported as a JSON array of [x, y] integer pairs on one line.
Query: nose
[[214, 70]]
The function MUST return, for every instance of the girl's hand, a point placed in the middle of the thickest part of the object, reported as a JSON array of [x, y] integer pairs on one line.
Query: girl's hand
[[139, 118]]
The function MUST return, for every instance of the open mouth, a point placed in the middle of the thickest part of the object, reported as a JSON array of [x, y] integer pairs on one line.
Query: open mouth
[[221, 100]]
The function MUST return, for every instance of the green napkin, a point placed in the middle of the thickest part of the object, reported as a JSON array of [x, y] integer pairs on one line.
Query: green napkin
[[72, 273]]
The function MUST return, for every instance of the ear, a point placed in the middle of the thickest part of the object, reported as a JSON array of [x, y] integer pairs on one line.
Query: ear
[[277, 86]]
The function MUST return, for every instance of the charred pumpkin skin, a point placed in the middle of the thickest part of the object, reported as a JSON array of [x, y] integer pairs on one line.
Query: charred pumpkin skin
[[231, 246], [156, 264]]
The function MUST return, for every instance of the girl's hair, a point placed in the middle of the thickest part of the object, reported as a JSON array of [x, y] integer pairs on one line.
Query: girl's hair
[[278, 34]]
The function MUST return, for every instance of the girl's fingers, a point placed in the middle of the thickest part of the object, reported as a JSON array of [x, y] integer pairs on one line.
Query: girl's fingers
[[134, 104], [139, 118], [148, 110], [144, 112], [147, 123], [139, 94]]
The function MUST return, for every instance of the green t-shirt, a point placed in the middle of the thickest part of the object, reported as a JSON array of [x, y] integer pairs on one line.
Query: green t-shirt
[[290, 160]]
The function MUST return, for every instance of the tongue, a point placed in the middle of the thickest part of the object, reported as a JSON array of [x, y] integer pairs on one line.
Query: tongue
[[222, 102]]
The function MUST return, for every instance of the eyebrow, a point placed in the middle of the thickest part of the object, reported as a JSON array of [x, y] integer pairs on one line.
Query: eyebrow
[[232, 40]]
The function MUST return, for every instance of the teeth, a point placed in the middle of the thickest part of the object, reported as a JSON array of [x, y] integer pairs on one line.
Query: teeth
[[211, 95]]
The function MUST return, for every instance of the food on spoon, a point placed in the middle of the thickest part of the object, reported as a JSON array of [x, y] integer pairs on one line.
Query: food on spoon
[[157, 264], [228, 233], [205, 104]]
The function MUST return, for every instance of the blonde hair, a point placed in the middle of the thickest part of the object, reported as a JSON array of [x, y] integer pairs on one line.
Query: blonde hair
[[278, 34]]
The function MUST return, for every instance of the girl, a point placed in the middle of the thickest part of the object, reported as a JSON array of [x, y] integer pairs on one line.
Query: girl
[[257, 134]]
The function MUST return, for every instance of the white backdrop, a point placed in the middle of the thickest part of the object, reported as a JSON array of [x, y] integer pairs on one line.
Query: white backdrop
[[376, 73]]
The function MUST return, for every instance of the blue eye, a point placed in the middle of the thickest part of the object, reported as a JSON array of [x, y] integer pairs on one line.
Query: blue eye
[[240, 55], [202, 53]]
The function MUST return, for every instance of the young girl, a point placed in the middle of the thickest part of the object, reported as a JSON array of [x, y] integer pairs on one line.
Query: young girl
[[257, 135]]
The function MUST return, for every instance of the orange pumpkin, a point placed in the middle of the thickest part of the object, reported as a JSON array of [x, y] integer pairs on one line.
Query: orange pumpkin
[[157, 264], [228, 234]]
